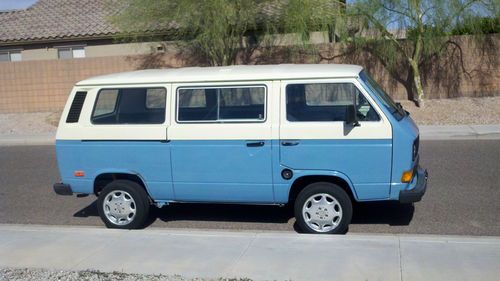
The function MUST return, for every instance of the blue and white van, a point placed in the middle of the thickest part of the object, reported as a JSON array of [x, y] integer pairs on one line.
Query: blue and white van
[[318, 137]]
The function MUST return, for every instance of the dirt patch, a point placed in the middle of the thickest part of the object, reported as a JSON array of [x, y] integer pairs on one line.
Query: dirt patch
[[28, 123], [460, 111]]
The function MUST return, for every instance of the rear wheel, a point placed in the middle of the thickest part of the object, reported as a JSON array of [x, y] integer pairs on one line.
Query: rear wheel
[[123, 204], [323, 207]]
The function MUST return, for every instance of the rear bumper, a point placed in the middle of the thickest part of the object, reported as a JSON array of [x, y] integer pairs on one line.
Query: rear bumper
[[62, 189], [415, 194]]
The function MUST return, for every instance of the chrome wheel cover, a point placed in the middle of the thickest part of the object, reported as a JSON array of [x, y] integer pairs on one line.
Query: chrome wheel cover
[[322, 212], [119, 207]]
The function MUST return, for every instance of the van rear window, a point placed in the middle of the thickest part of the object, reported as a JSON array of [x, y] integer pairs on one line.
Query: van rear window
[[221, 104], [130, 106]]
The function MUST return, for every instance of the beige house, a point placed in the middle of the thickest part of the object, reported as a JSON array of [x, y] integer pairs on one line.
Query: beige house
[[49, 46], [62, 29]]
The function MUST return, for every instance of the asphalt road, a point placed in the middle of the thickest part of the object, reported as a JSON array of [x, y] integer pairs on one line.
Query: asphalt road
[[463, 197]]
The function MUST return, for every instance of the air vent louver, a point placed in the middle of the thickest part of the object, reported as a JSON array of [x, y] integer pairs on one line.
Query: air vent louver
[[76, 107]]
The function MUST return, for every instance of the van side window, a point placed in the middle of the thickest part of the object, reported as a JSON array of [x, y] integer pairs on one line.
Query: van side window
[[130, 106], [326, 102], [221, 104]]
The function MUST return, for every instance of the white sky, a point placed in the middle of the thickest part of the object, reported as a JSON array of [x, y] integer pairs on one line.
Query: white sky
[[15, 4]]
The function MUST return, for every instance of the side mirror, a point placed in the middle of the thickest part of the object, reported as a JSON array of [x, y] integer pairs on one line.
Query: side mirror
[[398, 104], [351, 118]]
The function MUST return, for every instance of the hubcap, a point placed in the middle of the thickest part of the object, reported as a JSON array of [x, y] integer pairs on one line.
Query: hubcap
[[119, 207], [322, 212]]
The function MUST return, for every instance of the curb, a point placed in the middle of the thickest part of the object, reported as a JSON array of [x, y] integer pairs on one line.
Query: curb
[[21, 140], [152, 230], [459, 132]]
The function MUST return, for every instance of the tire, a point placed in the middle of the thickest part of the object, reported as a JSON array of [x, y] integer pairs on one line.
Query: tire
[[332, 212], [123, 204]]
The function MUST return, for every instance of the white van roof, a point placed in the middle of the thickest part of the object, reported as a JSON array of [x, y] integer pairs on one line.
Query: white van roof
[[227, 73]]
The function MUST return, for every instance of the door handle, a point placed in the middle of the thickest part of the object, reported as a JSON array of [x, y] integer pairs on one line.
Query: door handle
[[255, 144], [289, 143]]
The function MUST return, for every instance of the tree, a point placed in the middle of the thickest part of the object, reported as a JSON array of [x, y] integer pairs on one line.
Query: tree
[[216, 28], [427, 25], [219, 30]]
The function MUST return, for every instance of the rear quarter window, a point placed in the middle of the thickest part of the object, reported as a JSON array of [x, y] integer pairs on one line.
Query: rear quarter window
[[130, 106]]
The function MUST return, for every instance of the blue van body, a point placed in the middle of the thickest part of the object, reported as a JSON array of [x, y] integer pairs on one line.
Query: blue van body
[[249, 171]]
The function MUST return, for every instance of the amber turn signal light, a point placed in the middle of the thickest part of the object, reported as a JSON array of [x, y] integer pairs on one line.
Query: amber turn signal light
[[79, 174], [407, 176]]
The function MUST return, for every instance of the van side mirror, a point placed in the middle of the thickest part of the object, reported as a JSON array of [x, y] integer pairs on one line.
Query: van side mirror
[[351, 118]]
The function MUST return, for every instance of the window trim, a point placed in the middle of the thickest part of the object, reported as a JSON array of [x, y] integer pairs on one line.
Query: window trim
[[327, 82], [118, 102], [70, 47], [221, 121]]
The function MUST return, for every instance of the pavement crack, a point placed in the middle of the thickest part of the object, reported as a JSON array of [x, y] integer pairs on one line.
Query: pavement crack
[[400, 259], [240, 256]]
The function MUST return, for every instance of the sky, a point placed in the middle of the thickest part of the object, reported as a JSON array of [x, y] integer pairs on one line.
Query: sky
[[15, 4]]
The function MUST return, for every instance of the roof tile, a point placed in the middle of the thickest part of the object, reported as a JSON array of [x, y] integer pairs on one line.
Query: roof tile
[[51, 19]]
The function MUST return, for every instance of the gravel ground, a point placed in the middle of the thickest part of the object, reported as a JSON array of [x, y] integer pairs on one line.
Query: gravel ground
[[28, 123], [91, 275], [460, 111]]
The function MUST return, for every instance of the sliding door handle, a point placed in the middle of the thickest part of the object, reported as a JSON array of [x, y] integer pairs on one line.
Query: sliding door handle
[[255, 143], [289, 143]]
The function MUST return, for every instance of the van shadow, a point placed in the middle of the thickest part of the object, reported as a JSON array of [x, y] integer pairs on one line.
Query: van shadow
[[385, 213]]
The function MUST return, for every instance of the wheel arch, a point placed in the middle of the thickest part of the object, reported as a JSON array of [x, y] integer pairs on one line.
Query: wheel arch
[[102, 178], [336, 178]]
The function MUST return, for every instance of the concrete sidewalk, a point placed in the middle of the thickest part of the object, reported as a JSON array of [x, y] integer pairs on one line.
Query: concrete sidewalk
[[259, 256], [35, 139], [445, 132]]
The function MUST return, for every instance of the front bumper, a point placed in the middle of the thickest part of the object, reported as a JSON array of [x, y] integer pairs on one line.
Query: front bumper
[[415, 194], [63, 189]]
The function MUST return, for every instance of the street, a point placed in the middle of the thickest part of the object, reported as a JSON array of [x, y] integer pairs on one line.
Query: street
[[462, 198]]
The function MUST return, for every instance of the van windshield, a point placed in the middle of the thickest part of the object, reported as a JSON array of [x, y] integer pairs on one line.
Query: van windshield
[[396, 110]]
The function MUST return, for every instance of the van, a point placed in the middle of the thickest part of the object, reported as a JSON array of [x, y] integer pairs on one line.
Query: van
[[316, 137]]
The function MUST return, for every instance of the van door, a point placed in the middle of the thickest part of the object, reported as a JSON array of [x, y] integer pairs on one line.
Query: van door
[[221, 144], [314, 135]]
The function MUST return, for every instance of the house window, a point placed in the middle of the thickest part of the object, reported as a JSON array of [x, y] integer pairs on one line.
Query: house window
[[10, 56], [71, 52]]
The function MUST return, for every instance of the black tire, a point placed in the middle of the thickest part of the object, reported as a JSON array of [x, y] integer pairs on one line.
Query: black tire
[[332, 190], [139, 196]]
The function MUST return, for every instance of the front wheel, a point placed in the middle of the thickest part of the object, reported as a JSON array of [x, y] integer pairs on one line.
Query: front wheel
[[323, 207], [123, 204]]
